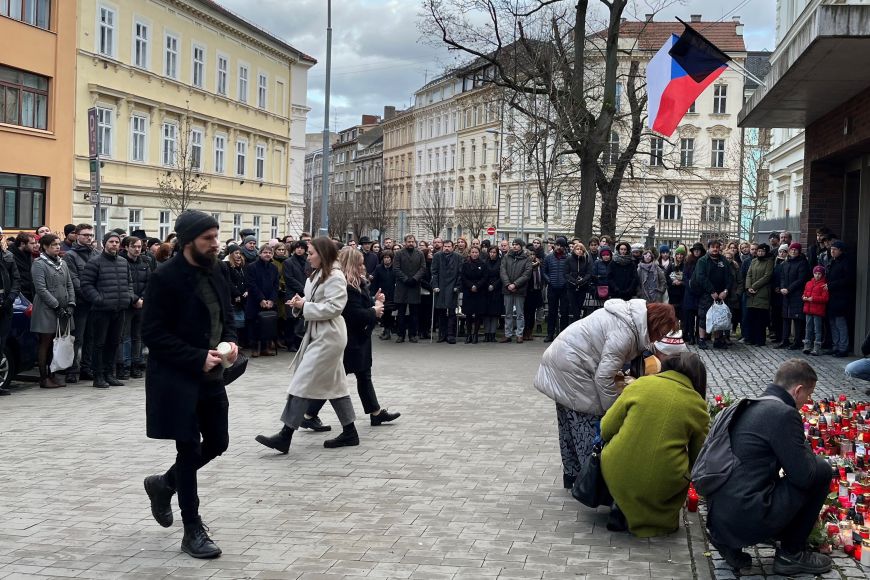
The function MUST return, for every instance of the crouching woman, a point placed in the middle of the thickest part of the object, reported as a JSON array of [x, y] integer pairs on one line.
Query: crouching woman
[[653, 434]]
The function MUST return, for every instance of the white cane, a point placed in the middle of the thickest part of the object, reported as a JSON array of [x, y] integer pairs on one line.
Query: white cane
[[432, 318]]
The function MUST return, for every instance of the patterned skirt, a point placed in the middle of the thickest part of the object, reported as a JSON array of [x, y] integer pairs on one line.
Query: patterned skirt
[[577, 433]]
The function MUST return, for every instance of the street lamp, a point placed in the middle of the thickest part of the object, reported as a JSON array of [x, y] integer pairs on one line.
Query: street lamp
[[324, 195]]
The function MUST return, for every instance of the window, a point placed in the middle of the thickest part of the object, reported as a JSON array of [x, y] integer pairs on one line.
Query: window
[[279, 97], [170, 61], [508, 210], [241, 159], [216, 216], [257, 228], [692, 108], [222, 67], [274, 229], [670, 208], [717, 151], [262, 82], [134, 220], [105, 118], [23, 98], [23, 200], [103, 217], [170, 143], [139, 136], [617, 101], [473, 153], [220, 143], [687, 152], [557, 206], [237, 225], [613, 148], [196, 148], [198, 66], [106, 33], [527, 206], [715, 209], [656, 151], [720, 93], [261, 162], [163, 224], [243, 83], [34, 12], [483, 153], [141, 38]]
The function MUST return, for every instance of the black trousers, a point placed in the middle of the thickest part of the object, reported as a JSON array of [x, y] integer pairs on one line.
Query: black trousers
[[576, 299], [84, 335], [689, 323], [364, 387], [212, 413], [425, 314], [534, 300], [408, 321], [756, 326], [107, 336], [557, 310], [446, 322], [799, 326]]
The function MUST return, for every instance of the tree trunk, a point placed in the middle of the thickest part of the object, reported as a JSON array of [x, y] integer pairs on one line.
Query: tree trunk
[[609, 208], [588, 191]]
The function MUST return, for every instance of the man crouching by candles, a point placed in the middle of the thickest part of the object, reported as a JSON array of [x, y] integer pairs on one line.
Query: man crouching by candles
[[187, 314], [755, 503]]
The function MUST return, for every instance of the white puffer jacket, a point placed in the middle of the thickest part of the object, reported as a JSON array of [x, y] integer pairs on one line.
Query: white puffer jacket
[[578, 369]]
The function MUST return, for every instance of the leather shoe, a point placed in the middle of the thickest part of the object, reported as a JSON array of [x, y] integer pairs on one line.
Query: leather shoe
[[548, 339], [344, 439], [315, 424], [196, 542], [160, 495], [520, 340], [113, 382], [412, 339], [400, 340], [383, 417], [100, 382], [280, 441], [505, 339]]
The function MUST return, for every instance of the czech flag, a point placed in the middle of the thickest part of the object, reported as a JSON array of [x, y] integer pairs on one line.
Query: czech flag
[[677, 75]]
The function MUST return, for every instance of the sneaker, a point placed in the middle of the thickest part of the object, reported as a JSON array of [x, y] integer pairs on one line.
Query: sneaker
[[196, 542], [702, 344], [806, 562], [383, 417], [735, 557], [315, 424]]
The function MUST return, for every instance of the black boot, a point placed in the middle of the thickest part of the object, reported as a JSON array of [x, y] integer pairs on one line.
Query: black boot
[[160, 495], [113, 382], [136, 372], [568, 480], [469, 339], [348, 438], [122, 373], [196, 541], [279, 441], [100, 382], [616, 520], [475, 334]]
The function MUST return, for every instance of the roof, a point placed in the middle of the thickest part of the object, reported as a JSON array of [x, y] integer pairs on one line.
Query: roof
[[758, 63], [254, 29], [652, 35]]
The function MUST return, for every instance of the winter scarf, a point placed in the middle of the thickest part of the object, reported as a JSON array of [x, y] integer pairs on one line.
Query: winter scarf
[[650, 280], [55, 263]]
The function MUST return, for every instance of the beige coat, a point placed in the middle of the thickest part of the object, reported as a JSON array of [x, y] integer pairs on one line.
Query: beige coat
[[318, 372]]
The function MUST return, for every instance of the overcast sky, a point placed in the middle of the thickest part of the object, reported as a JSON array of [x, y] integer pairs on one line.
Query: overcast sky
[[378, 57]]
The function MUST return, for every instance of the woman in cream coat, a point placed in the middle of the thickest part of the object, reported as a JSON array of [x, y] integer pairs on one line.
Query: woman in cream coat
[[318, 372]]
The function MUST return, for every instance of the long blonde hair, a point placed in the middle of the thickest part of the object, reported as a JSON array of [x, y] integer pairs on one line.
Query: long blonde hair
[[350, 259]]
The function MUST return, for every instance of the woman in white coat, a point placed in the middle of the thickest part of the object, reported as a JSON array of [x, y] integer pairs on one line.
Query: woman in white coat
[[580, 369], [318, 372]]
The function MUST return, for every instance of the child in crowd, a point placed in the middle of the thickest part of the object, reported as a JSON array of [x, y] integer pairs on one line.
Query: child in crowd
[[815, 298]]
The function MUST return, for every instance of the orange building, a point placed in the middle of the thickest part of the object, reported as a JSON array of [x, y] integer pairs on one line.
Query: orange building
[[37, 113]]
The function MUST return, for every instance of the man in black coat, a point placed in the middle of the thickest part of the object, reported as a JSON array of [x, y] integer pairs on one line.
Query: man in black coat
[[446, 266], [10, 287], [132, 363], [76, 259], [294, 272], [756, 503], [187, 315], [409, 267], [106, 285], [22, 249]]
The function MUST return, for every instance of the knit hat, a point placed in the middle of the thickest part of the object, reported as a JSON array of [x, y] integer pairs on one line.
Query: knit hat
[[839, 244], [698, 246], [110, 235], [232, 248], [680, 250], [664, 248], [562, 241], [191, 223], [249, 239], [672, 344], [637, 247], [795, 246], [605, 250], [519, 241]]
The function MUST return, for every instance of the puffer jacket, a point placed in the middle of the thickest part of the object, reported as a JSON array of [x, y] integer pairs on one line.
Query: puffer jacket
[[819, 294], [106, 283], [579, 367], [515, 269], [140, 273], [759, 278], [555, 270], [601, 273], [77, 258], [579, 271]]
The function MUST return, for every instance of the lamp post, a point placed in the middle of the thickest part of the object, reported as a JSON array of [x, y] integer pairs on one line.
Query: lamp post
[[324, 196], [311, 192]]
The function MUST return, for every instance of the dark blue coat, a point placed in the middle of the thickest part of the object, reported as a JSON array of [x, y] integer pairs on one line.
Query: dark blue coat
[[555, 270], [840, 286], [261, 279]]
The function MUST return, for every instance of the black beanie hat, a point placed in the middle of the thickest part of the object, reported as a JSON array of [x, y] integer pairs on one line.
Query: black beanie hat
[[109, 235], [191, 223]]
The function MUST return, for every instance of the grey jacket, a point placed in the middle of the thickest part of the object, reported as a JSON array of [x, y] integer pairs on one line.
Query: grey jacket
[[409, 269], [515, 269], [106, 283], [53, 287], [445, 277]]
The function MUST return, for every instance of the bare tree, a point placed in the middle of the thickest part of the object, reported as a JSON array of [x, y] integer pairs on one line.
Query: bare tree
[[340, 215], [755, 178], [573, 61], [182, 185], [434, 211], [379, 207], [476, 217]]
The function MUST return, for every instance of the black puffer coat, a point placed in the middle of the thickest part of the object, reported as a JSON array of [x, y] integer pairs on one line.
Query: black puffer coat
[[841, 287], [473, 274], [294, 275], [360, 319], [140, 273], [623, 277], [106, 283], [793, 276], [494, 297], [24, 263], [77, 258]]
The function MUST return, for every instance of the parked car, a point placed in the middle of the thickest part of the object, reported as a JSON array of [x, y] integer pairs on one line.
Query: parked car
[[19, 356]]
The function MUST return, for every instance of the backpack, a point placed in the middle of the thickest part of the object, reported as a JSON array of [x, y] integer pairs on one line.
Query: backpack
[[716, 460]]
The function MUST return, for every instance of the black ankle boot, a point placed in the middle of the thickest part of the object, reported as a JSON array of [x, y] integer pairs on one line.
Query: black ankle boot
[[113, 381], [568, 480], [196, 541], [348, 438], [100, 382], [279, 441], [160, 494], [469, 339]]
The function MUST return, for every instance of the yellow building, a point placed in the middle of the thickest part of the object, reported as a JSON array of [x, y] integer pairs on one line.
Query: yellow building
[[37, 83], [176, 76], [399, 167]]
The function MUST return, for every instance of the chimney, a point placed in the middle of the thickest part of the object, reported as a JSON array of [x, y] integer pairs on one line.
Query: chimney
[[389, 112], [649, 17], [370, 120], [738, 29], [696, 18]]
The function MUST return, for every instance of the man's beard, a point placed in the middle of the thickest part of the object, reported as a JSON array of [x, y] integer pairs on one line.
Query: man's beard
[[203, 260]]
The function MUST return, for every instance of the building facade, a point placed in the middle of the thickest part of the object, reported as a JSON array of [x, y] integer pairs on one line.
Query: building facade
[[373, 207], [398, 167], [37, 88], [185, 87]]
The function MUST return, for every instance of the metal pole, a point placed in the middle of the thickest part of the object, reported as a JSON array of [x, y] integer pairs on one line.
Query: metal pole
[[99, 205], [324, 196], [311, 194]]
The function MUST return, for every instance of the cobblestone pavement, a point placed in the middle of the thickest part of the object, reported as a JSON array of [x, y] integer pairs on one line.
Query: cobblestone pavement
[[466, 484]]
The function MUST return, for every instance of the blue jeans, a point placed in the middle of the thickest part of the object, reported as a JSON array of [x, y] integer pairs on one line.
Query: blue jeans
[[813, 332], [859, 369], [131, 338], [839, 334]]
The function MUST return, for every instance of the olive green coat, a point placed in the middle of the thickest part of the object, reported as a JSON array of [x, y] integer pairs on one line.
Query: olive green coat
[[653, 433], [759, 277]]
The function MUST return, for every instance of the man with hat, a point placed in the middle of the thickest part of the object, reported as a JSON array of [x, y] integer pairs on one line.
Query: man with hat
[[69, 238], [107, 287], [841, 285], [370, 259], [187, 316], [555, 272], [773, 240]]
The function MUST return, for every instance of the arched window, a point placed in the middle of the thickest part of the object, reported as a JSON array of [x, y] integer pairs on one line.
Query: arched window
[[670, 208], [715, 209], [612, 151]]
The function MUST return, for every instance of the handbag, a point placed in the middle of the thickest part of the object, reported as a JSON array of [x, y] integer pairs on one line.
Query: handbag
[[63, 351], [237, 369], [589, 488], [267, 325], [603, 292], [718, 317]]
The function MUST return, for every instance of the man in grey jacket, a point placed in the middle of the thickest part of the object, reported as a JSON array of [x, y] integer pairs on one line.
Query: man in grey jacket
[[446, 265], [107, 286], [516, 269]]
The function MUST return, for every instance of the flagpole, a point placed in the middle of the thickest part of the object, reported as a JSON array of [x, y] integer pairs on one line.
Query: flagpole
[[741, 68], [731, 62]]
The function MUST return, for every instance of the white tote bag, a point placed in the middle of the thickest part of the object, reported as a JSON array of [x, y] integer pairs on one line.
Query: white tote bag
[[63, 353]]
